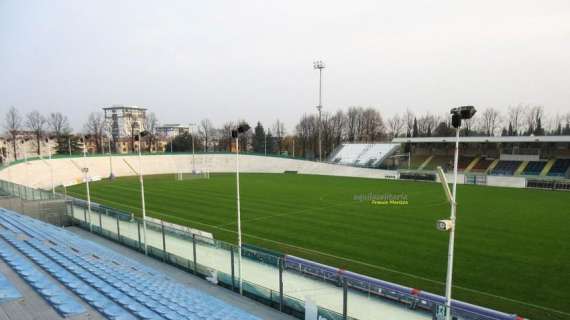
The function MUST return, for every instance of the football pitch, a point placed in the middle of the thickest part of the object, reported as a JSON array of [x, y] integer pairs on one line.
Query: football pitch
[[512, 245]]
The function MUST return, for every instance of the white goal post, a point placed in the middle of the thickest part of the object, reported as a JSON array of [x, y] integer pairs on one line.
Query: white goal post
[[183, 175]]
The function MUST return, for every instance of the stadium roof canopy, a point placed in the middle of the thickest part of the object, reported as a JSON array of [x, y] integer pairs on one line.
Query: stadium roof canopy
[[521, 139]]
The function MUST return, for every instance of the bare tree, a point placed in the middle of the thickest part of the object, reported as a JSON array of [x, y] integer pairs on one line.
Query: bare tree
[[533, 117], [150, 124], [515, 115], [36, 123], [395, 125], [205, 130], [409, 122], [58, 124], [372, 125], [353, 116], [489, 121], [279, 131], [13, 125], [95, 128]]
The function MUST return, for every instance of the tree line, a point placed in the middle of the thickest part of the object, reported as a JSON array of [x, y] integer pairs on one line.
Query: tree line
[[350, 125]]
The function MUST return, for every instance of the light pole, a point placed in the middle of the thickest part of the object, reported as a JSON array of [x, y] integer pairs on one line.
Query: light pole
[[111, 176], [457, 114], [243, 128], [86, 177], [320, 65], [192, 125], [141, 180]]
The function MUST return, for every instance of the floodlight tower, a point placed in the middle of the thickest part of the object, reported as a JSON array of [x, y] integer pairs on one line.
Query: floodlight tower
[[138, 126], [109, 128], [240, 130], [457, 114], [320, 65], [85, 170]]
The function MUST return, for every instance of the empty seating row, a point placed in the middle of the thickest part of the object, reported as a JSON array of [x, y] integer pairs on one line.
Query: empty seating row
[[141, 290], [446, 162], [560, 168], [7, 290], [464, 162], [51, 292], [534, 167], [364, 155], [482, 165], [506, 168]]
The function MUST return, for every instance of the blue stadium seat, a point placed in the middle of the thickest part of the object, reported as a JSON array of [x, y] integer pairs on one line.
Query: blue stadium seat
[[7, 290], [506, 168], [54, 295], [560, 168], [534, 168], [125, 287]]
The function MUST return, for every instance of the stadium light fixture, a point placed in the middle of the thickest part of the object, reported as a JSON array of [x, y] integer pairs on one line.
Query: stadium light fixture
[[241, 129], [457, 114], [320, 65]]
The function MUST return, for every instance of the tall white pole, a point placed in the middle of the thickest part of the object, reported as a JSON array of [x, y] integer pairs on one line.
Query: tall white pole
[[110, 159], [449, 278], [193, 154], [86, 177], [142, 196], [293, 146], [320, 108], [69, 145], [238, 216]]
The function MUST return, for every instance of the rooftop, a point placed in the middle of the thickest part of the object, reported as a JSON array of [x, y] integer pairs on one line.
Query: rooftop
[[517, 139]]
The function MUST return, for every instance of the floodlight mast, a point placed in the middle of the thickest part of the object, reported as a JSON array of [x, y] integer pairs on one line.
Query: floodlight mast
[[243, 128], [458, 114], [320, 65], [86, 177], [141, 180]]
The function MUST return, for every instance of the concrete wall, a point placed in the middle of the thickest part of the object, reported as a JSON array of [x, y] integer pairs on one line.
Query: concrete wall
[[39, 173], [502, 181]]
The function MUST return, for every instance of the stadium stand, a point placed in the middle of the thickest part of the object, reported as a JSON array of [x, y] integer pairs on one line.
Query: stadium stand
[[464, 162], [363, 155], [482, 165], [534, 168], [116, 286], [417, 161], [446, 162], [560, 168], [505, 168]]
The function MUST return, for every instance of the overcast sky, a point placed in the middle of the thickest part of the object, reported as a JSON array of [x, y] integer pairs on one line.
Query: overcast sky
[[224, 60]]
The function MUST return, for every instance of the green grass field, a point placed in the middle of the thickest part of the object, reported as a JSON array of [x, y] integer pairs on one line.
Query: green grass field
[[512, 245]]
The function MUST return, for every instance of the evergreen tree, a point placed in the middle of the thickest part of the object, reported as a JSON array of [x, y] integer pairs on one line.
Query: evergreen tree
[[539, 131], [505, 132], [510, 130], [415, 132], [259, 139], [270, 143], [182, 143]]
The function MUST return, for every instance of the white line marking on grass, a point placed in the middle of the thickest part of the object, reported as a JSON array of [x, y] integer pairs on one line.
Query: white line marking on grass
[[345, 259]]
